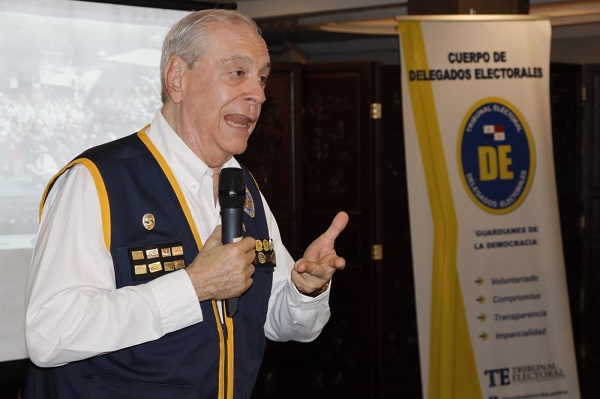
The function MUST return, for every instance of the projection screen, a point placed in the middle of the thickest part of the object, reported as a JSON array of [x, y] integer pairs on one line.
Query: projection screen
[[72, 74]]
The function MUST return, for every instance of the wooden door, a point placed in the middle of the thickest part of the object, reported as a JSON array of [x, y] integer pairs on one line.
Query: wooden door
[[567, 133], [400, 375], [341, 141], [589, 350], [338, 172]]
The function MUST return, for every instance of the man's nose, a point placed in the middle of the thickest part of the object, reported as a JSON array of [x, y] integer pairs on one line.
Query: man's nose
[[256, 93]]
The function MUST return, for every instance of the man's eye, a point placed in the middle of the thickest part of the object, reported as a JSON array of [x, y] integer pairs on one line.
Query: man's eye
[[264, 79], [238, 73]]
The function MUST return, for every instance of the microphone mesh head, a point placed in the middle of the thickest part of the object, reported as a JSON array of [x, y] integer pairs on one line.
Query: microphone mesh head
[[232, 188]]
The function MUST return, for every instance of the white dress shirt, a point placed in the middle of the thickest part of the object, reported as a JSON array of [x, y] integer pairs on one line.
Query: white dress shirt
[[74, 310]]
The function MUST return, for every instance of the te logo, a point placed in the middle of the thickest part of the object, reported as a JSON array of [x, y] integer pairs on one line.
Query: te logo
[[498, 377], [496, 156]]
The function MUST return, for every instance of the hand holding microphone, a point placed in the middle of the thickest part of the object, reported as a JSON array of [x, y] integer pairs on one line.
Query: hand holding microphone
[[221, 271]]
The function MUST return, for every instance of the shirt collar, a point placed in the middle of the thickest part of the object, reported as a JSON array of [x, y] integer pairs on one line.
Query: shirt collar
[[186, 166]]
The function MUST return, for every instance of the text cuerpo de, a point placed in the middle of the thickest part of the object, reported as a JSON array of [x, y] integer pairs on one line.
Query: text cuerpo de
[[502, 72]]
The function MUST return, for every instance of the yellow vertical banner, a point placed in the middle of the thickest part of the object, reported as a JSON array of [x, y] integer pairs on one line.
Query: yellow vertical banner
[[483, 209], [452, 366]]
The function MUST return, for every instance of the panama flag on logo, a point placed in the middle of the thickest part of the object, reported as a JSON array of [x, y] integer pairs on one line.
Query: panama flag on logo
[[496, 130]]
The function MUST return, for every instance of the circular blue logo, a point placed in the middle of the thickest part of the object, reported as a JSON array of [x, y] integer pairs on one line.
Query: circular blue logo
[[496, 155]]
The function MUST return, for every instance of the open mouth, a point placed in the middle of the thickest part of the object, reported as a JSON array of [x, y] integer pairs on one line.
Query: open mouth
[[239, 121]]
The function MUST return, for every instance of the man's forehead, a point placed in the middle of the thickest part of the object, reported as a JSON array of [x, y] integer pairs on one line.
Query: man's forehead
[[233, 42], [245, 59]]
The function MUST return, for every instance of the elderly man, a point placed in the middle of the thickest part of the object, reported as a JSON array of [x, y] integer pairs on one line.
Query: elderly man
[[129, 274]]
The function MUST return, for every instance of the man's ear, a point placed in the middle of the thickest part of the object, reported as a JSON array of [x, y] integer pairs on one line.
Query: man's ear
[[174, 78]]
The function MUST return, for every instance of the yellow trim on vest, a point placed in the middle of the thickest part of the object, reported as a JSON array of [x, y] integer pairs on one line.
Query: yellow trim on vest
[[452, 369], [230, 357], [255, 182], [221, 351], [171, 177], [100, 188], [228, 320]]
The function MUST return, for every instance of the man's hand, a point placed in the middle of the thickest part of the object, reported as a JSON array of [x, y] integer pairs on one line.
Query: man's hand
[[222, 271], [320, 262]]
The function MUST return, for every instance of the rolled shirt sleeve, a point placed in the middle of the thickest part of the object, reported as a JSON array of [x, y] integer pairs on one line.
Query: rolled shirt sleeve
[[292, 315]]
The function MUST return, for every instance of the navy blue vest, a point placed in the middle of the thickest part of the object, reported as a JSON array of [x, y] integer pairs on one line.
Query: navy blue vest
[[195, 362]]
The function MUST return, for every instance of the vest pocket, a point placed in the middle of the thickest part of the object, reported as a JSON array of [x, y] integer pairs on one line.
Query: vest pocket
[[145, 261], [104, 386]]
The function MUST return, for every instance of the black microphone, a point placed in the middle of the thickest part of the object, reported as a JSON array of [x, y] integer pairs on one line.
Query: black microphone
[[232, 196]]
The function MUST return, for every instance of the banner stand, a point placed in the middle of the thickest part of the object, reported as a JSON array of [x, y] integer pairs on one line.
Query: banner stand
[[492, 302]]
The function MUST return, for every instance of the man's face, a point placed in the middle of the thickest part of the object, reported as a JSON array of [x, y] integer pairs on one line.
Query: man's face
[[223, 93]]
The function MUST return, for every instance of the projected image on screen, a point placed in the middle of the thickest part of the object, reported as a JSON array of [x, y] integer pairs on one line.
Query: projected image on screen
[[73, 74]]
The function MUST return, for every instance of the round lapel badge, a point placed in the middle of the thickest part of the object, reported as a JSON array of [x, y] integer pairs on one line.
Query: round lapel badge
[[148, 221]]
